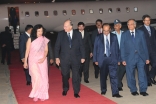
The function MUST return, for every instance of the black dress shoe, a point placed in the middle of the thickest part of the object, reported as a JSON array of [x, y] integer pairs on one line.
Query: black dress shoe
[[28, 83], [76, 96], [135, 93], [149, 84], [86, 81], [120, 89], [143, 93], [64, 93], [103, 93], [96, 76], [117, 96]]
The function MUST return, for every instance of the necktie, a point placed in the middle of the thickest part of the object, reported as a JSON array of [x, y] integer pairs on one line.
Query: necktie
[[69, 40], [133, 38], [149, 30], [107, 47]]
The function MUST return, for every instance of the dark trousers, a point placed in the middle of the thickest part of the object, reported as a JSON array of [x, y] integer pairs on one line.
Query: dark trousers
[[120, 73], [138, 63], [28, 77], [109, 67], [65, 69], [151, 72], [96, 70], [6, 51], [84, 68]]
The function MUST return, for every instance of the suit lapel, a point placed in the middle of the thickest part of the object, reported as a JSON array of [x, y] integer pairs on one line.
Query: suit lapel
[[111, 39], [151, 30], [146, 31], [103, 41], [66, 36]]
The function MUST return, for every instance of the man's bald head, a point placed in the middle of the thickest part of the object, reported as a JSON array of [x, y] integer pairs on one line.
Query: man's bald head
[[68, 26], [106, 29]]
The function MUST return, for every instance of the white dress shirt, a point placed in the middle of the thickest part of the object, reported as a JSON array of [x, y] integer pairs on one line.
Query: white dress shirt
[[105, 37], [71, 33], [82, 33], [27, 34], [133, 32], [100, 30]]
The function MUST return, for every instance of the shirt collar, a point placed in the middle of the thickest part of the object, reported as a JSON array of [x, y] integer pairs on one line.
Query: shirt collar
[[146, 26], [132, 31], [107, 35], [27, 34]]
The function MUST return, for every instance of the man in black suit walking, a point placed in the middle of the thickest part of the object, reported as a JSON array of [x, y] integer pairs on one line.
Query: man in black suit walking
[[93, 36], [5, 42], [88, 51], [150, 36], [70, 53], [22, 48]]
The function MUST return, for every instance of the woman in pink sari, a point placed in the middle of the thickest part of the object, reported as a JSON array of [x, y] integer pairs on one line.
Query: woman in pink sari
[[36, 53]]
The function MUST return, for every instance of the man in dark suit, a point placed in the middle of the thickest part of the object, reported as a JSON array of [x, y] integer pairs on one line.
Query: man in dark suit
[[107, 55], [6, 45], [150, 36], [88, 51], [70, 53], [121, 68], [93, 36], [22, 48], [134, 54]]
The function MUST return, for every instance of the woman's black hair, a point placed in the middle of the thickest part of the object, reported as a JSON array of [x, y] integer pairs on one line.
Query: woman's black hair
[[34, 31]]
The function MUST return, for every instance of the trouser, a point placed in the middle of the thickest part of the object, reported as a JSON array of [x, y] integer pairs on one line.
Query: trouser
[[138, 63], [150, 73], [109, 67], [84, 68], [6, 51], [28, 77], [120, 74], [65, 69]]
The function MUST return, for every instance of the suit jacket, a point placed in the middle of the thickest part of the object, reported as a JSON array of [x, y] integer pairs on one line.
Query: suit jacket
[[67, 54], [99, 49], [93, 36], [6, 38], [129, 48], [87, 43], [22, 44], [150, 40]]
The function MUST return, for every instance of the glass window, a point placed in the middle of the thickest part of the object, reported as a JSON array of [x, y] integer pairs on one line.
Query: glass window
[[55, 13], [73, 12], [127, 9], [64, 12], [91, 11], [118, 10], [82, 11], [135, 9], [110, 10], [100, 11], [27, 14], [36, 13], [46, 13]]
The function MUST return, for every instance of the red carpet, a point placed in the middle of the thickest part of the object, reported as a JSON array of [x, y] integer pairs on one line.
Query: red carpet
[[17, 77]]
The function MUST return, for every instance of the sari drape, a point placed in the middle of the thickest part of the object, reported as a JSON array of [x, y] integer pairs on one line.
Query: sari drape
[[38, 71]]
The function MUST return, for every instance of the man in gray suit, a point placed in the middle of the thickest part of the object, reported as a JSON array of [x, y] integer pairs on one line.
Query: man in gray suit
[[134, 54]]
